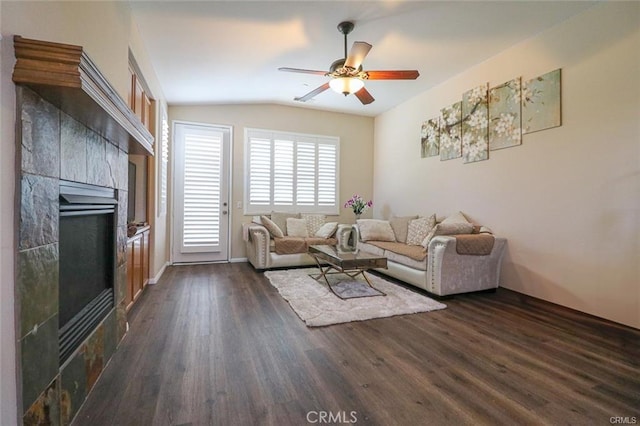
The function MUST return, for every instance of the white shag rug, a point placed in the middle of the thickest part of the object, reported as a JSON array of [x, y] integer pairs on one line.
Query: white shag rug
[[317, 306]]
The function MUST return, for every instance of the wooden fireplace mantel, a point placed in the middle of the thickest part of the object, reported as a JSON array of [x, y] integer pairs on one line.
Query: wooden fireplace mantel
[[64, 75]]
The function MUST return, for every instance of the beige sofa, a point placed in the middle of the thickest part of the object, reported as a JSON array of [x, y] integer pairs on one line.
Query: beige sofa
[[446, 265], [263, 252]]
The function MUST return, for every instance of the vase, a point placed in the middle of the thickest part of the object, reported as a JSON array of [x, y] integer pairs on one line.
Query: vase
[[357, 217]]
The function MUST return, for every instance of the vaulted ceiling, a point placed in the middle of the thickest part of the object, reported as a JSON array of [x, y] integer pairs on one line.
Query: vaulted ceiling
[[220, 52]]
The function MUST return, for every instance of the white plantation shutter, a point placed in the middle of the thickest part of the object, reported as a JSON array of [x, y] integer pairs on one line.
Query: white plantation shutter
[[202, 176], [164, 161], [327, 171], [291, 172], [306, 174], [283, 166]]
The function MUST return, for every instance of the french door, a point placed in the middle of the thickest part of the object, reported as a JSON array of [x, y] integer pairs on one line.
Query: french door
[[201, 193]]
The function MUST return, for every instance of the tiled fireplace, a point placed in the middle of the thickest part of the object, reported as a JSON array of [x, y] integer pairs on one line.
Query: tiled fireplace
[[73, 132], [56, 147]]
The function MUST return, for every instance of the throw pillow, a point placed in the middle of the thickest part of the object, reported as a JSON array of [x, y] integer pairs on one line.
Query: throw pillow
[[297, 227], [448, 229], [327, 230], [456, 218], [375, 230], [314, 222], [400, 226], [273, 229], [280, 219], [419, 228]]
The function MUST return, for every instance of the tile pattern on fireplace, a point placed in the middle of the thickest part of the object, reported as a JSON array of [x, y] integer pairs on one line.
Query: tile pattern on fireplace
[[50, 146]]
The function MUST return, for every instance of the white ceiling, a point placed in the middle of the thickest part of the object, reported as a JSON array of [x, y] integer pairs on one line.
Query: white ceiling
[[220, 52]]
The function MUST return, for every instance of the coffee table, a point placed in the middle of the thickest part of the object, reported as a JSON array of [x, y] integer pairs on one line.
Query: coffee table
[[351, 263]]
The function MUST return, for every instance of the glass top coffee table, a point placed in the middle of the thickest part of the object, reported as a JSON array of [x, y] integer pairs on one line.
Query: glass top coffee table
[[350, 263]]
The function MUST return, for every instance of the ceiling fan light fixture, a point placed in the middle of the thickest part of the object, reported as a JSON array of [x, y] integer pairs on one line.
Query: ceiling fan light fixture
[[346, 85]]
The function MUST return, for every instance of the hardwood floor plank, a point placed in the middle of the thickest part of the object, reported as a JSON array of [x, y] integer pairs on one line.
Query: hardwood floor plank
[[217, 345]]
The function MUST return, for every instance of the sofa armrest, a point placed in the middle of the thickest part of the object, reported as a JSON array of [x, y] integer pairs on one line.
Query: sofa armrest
[[257, 239], [449, 272]]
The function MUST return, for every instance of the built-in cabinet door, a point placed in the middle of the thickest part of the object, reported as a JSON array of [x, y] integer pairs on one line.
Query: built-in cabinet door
[[145, 258], [129, 292]]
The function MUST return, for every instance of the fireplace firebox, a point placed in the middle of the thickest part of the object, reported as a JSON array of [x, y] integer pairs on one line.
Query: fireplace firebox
[[87, 247]]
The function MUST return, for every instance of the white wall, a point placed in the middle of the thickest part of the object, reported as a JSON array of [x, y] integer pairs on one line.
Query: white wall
[[568, 199], [106, 31], [356, 147]]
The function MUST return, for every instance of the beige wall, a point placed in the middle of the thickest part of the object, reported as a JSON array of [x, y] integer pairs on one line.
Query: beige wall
[[106, 31], [568, 199], [356, 147]]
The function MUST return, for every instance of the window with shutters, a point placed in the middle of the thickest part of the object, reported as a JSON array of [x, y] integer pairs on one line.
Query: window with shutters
[[163, 151], [291, 172]]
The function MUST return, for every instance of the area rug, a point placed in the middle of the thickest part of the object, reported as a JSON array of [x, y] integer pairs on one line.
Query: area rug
[[317, 306]]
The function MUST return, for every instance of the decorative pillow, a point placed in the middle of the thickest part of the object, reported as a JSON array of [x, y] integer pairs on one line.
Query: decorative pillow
[[280, 219], [327, 230], [456, 218], [297, 227], [419, 228], [273, 229], [448, 229], [314, 222], [485, 230], [400, 226], [375, 230]]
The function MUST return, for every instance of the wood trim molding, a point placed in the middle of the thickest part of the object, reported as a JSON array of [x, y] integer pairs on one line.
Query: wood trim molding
[[64, 75]]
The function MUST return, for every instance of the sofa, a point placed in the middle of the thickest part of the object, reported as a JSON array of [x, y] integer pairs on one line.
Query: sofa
[[444, 258], [281, 240]]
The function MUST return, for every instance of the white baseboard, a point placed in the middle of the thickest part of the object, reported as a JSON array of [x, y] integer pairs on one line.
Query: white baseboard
[[155, 279], [238, 260]]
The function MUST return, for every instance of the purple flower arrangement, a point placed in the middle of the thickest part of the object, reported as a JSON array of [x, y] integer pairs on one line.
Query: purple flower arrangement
[[357, 204]]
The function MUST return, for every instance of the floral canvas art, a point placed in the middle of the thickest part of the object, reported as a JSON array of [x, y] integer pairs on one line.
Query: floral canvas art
[[430, 138], [451, 132], [475, 125], [504, 115], [541, 102]]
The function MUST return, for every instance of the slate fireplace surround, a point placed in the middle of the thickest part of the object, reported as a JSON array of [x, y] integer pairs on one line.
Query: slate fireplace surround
[[78, 132]]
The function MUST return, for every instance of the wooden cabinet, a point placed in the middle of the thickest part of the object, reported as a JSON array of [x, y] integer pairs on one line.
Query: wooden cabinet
[[140, 100], [137, 264]]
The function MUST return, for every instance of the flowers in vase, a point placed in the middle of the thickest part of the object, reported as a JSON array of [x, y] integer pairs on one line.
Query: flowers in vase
[[358, 205]]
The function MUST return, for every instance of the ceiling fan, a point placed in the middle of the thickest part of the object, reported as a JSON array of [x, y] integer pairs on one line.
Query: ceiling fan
[[347, 75]]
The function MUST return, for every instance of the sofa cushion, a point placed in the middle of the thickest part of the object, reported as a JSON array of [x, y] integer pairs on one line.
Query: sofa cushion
[[369, 248], [417, 253], [290, 245], [375, 230], [272, 227], [420, 265], [456, 218], [400, 226], [314, 222], [297, 227], [296, 245], [447, 229], [327, 230], [280, 219], [419, 229]]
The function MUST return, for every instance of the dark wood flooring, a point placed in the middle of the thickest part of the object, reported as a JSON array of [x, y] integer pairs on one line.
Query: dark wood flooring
[[217, 345]]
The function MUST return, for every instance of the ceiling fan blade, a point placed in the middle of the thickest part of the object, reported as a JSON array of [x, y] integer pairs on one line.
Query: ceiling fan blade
[[364, 96], [358, 52], [312, 93], [302, 71], [393, 75]]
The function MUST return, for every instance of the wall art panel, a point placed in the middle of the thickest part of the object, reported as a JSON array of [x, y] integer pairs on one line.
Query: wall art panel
[[475, 125], [504, 115]]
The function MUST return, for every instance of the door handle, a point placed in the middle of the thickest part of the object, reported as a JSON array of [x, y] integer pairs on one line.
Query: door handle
[[224, 212]]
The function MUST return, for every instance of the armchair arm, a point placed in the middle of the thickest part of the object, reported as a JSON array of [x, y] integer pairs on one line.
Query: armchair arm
[[449, 272], [257, 239]]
